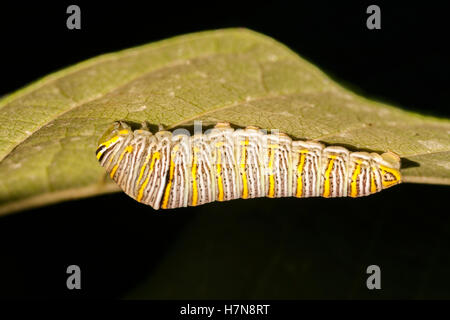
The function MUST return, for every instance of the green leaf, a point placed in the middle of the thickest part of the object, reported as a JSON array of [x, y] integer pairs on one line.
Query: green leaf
[[49, 130]]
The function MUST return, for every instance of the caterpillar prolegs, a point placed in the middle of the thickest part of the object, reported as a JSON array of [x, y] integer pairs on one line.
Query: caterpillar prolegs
[[172, 171]]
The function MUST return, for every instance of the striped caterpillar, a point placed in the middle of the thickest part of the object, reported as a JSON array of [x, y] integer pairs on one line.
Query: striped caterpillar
[[172, 171]]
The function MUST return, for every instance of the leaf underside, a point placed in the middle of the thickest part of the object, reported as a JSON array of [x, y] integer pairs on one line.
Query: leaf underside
[[49, 130]]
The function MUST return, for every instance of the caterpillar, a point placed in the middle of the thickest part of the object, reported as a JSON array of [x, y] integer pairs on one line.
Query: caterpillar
[[171, 171]]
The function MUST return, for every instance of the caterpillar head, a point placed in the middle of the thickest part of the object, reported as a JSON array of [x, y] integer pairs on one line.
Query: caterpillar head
[[115, 133], [117, 129]]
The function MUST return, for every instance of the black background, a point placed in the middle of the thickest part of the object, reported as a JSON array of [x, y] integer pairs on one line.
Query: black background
[[264, 248]]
